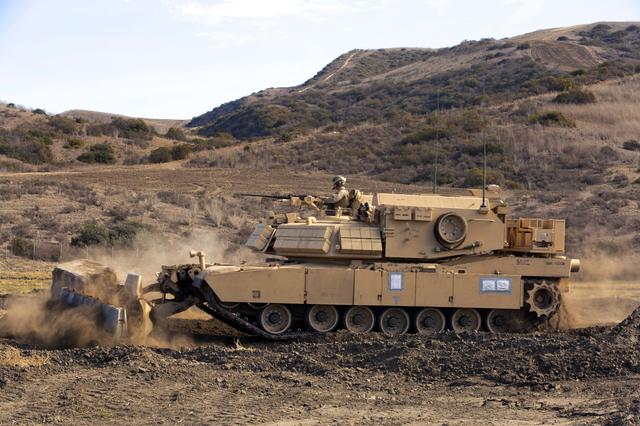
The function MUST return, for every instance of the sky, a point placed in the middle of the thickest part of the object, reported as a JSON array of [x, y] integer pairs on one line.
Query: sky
[[181, 58]]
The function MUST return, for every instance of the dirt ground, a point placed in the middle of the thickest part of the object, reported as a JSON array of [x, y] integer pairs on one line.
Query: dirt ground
[[211, 375]]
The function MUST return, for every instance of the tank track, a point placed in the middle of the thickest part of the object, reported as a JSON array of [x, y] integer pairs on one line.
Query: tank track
[[212, 307]]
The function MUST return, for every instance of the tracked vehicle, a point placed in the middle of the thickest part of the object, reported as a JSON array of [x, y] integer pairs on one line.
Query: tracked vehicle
[[394, 263]]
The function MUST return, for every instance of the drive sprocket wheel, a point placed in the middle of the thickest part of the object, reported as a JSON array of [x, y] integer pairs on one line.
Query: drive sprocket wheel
[[542, 298]]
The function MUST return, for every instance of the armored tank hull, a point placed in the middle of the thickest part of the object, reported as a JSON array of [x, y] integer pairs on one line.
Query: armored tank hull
[[394, 263]]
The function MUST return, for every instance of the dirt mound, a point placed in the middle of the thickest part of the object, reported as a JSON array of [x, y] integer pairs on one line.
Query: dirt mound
[[629, 327]]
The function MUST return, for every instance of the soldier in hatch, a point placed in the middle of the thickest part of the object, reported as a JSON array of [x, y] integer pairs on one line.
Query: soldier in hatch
[[340, 196]]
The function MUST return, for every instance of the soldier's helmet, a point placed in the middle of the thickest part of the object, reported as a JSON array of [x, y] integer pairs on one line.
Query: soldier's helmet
[[339, 181]]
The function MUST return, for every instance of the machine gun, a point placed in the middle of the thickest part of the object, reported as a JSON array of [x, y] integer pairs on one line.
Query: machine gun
[[296, 199]]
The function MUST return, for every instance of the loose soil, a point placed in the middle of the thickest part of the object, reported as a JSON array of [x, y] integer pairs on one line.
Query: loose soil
[[214, 375]]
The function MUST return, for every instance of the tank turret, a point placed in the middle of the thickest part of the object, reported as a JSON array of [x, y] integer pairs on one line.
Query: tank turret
[[407, 228]]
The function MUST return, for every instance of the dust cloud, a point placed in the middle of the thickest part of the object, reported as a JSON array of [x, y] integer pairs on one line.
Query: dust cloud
[[36, 320], [150, 251], [603, 293]]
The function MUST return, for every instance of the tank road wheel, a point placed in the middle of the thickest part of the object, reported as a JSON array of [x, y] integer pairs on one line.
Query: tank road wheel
[[465, 319], [543, 298], [509, 321], [359, 319], [322, 318], [257, 306], [227, 305], [430, 321], [394, 321], [275, 319], [500, 321]]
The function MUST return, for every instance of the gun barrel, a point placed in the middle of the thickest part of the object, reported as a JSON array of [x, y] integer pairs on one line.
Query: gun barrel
[[275, 197]]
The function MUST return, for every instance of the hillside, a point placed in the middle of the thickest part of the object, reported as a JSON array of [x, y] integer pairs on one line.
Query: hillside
[[375, 85], [32, 138], [557, 109]]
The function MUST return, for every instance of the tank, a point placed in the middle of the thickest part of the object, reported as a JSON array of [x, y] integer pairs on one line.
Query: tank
[[394, 263]]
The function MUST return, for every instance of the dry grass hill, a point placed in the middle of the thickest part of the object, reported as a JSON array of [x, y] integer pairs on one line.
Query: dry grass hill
[[557, 109]]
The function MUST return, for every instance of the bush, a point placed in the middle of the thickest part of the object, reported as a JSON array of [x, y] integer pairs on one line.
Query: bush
[[127, 128], [175, 198], [99, 153], [160, 155], [39, 111], [165, 154], [31, 146], [180, 152], [475, 178], [523, 46], [74, 143], [176, 133], [62, 125], [93, 233], [548, 83], [576, 96], [21, 247], [123, 233], [620, 180], [631, 145], [551, 118], [284, 137]]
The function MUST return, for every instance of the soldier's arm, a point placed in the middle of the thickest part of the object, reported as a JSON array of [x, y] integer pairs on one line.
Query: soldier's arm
[[334, 198]]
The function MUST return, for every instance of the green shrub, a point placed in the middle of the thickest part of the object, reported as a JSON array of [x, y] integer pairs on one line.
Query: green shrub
[[31, 146], [21, 247], [160, 155], [73, 143], [91, 234], [575, 96], [284, 137], [176, 133], [620, 180], [631, 145], [474, 179], [548, 83], [99, 153], [123, 233], [180, 152], [62, 125], [119, 234], [39, 111], [128, 128], [523, 46], [132, 128], [551, 118]]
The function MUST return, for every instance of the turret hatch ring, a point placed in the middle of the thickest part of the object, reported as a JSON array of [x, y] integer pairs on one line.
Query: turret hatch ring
[[451, 230]]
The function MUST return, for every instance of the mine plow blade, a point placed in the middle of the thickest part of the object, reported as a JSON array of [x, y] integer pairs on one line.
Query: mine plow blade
[[92, 289]]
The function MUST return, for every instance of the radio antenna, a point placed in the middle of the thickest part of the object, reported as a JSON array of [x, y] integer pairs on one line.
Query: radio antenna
[[484, 173], [435, 162], [484, 158]]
